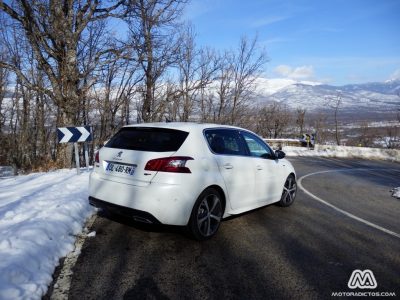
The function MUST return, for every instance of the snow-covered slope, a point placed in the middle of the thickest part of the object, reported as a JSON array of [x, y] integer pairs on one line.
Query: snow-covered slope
[[40, 214], [271, 86], [379, 97]]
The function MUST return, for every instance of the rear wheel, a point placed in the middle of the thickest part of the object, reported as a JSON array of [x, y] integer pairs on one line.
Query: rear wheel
[[289, 192], [206, 215]]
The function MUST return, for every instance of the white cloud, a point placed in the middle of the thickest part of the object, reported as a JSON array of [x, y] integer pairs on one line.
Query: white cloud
[[297, 73], [395, 75]]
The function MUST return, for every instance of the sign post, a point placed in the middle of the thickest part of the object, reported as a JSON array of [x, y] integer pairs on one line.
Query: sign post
[[78, 165], [76, 135], [87, 156]]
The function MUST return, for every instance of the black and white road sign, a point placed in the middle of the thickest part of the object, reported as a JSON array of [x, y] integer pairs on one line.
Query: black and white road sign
[[74, 134]]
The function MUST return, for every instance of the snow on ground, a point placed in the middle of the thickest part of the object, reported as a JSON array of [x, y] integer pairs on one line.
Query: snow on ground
[[40, 214], [344, 152], [396, 192]]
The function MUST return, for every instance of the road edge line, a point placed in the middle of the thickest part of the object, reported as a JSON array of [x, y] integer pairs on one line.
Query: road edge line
[[350, 215]]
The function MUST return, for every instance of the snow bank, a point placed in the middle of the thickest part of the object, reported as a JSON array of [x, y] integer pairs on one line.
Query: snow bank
[[396, 192], [345, 152], [40, 214]]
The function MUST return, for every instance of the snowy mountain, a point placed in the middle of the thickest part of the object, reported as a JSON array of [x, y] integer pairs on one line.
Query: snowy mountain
[[368, 97]]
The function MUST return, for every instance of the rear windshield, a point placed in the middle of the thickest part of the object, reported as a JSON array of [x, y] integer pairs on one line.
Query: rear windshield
[[148, 139]]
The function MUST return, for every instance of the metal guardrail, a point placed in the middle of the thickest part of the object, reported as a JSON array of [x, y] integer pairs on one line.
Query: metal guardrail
[[7, 171]]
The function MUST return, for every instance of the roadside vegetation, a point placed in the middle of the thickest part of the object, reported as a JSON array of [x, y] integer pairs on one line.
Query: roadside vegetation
[[112, 63]]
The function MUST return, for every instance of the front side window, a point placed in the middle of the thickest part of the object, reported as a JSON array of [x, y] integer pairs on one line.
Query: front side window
[[225, 141], [256, 146]]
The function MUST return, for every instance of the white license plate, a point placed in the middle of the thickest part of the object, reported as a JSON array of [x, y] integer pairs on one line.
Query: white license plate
[[120, 169]]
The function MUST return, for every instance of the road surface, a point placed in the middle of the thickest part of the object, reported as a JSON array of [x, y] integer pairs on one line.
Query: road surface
[[307, 251]]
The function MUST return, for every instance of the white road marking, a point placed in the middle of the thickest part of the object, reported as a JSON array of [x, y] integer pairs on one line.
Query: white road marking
[[299, 183]]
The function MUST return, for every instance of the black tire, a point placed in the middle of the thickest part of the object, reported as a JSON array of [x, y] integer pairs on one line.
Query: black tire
[[289, 192], [206, 215]]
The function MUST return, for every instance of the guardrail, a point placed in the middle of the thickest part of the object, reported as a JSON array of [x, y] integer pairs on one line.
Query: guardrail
[[280, 143], [345, 152], [7, 171]]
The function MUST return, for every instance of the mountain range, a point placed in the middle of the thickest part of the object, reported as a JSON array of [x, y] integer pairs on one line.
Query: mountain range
[[375, 97]]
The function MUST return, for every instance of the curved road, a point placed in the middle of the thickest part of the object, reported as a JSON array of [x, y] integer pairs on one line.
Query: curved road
[[307, 251]]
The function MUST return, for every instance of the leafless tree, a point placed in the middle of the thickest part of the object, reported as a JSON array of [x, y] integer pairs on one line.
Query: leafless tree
[[223, 92], [300, 112], [273, 119], [247, 64], [113, 94], [319, 122], [154, 39], [54, 30], [335, 103], [197, 69], [4, 81]]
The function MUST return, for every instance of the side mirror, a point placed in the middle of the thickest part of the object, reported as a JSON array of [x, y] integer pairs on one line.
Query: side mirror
[[279, 154]]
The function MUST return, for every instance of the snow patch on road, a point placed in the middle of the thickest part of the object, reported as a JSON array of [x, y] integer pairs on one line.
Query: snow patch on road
[[40, 216]]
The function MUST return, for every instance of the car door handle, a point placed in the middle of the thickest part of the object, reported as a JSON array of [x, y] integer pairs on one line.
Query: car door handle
[[259, 168], [228, 166]]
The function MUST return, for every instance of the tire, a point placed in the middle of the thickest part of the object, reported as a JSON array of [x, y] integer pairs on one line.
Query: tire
[[206, 215], [289, 192]]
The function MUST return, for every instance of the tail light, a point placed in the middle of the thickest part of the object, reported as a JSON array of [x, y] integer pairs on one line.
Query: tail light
[[172, 164], [97, 157]]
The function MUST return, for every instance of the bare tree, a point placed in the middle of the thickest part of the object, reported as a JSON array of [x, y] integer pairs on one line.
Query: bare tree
[[224, 81], [301, 112], [116, 84], [55, 30], [154, 39], [247, 64], [197, 69], [335, 103], [4, 81], [273, 119], [319, 122]]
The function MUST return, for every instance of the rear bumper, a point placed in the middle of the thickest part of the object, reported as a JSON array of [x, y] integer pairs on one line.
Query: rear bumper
[[158, 203], [137, 215]]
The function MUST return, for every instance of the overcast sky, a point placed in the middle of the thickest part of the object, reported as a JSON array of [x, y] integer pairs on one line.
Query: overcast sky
[[332, 41]]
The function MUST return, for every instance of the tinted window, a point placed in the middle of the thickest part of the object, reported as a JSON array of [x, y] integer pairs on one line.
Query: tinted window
[[225, 141], [148, 139], [256, 146]]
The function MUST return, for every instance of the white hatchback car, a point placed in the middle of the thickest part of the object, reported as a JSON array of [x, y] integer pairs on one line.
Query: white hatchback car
[[189, 174]]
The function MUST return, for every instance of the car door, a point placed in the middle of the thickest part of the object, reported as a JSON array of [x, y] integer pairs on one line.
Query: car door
[[268, 169], [234, 165]]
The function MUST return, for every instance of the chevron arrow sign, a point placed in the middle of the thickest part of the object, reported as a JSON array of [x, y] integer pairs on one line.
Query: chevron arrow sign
[[74, 134]]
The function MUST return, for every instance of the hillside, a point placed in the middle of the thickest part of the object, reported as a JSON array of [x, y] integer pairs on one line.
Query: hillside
[[361, 98]]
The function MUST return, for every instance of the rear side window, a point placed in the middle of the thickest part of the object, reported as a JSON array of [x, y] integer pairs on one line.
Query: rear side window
[[148, 139], [225, 141]]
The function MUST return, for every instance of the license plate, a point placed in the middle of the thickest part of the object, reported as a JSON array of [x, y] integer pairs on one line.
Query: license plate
[[120, 169]]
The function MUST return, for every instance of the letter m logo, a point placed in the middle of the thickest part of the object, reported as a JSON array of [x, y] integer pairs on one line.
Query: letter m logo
[[362, 280]]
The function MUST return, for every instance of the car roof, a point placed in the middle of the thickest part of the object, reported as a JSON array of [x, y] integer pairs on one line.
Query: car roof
[[186, 126]]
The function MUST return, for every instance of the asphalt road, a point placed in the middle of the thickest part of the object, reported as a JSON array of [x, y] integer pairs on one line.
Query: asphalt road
[[306, 251]]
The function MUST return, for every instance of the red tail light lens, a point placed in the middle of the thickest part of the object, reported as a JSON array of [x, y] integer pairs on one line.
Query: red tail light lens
[[174, 164], [97, 157]]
